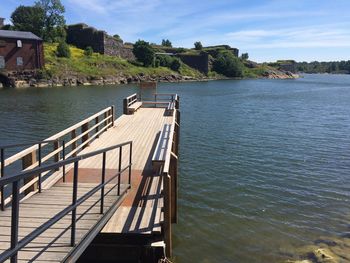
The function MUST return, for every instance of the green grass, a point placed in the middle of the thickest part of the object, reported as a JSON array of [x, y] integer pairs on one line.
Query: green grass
[[99, 65]]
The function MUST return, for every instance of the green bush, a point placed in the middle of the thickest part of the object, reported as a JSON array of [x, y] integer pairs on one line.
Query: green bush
[[175, 64], [229, 65], [157, 63], [63, 50], [88, 51], [143, 52]]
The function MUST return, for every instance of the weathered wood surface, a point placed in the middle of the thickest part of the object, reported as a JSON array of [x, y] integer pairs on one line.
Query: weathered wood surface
[[143, 210], [54, 244]]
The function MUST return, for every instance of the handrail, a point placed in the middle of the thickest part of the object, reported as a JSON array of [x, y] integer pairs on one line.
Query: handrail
[[25, 174], [103, 120], [15, 179]]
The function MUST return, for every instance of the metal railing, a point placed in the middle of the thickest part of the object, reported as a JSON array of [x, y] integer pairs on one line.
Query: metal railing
[[39, 145], [15, 244]]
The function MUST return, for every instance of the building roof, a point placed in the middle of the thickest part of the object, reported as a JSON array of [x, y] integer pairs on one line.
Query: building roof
[[18, 34]]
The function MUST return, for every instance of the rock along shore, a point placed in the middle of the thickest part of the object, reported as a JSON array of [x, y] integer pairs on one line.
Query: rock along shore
[[25, 79]]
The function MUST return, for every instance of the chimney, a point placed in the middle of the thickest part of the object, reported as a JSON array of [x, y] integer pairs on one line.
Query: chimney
[[2, 22]]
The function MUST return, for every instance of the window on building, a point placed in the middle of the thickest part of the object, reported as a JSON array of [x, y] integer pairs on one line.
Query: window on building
[[2, 43], [19, 61], [2, 62], [19, 43]]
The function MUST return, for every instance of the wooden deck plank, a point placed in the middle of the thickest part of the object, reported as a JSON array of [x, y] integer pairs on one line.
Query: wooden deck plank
[[142, 214]]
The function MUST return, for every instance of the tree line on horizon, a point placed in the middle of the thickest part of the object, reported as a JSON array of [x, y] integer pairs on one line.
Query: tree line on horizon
[[324, 67]]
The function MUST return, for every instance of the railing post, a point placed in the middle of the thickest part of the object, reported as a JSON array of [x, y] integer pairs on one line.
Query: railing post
[[177, 102], [119, 167], [74, 144], [125, 106], [14, 219], [167, 215], [84, 128], [27, 161], [2, 159], [64, 158], [74, 201], [97, 127], [39, 175], [56, 145], [103, 181], [105, 115], [113, 115], [130, 163]]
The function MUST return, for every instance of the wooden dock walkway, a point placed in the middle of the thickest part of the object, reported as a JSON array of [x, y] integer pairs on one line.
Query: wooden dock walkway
[[101, 178]]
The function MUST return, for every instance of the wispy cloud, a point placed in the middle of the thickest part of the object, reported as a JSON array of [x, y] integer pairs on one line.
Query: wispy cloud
[[260, 27]]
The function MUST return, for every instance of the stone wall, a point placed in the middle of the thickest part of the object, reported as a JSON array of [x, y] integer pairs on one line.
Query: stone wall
[[82, 36], [199, 62]]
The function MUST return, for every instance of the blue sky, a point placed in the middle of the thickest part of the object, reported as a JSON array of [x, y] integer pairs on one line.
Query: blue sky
[[304, 30]]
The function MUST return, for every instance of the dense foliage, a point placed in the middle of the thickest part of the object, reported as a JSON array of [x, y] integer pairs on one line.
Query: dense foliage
[[324, 67], [29, 18], [63, 50], [245, 56], [88, 51], [143, 52], [229, 65], [166, 43], [54, 22], [198, 45]]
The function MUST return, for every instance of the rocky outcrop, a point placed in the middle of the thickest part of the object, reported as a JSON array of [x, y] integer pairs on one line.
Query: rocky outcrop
[[325, 250], [278, 74]]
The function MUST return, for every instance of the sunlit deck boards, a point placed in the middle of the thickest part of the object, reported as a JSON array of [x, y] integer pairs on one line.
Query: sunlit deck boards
[[142, 128], [141, 212], [41, 207]]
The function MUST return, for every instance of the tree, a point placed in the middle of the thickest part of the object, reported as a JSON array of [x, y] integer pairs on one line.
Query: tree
[[63, 50], [117, 37], [245, 56], [54, 20], [198, 45], [229, 65], [29, 18], [88, 51], [166, 43], [143, 52]]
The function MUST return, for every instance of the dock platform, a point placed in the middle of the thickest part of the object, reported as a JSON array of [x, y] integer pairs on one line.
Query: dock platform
[[104, 188]]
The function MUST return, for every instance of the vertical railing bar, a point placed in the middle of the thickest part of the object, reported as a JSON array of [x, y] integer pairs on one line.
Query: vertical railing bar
[[120, 167], [130, 156], [63, 158], [39, 175], [2, 150], [74, 201], [14, 219], [103, 181]]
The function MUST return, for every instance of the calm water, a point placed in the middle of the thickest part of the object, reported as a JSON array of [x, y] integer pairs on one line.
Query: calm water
[[264, 165]]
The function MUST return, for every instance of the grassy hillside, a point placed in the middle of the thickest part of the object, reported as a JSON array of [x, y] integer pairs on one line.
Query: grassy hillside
[[99, 65]]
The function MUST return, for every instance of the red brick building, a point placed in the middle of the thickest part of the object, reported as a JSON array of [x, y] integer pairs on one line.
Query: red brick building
[[20, 51]]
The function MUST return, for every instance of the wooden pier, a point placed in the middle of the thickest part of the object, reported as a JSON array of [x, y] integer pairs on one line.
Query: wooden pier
[[103, 190]]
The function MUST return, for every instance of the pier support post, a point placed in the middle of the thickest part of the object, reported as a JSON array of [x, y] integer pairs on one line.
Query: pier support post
[[27, 161], [174, 194], [167, 215]]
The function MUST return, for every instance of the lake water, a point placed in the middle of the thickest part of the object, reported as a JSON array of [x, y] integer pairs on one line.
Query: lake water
[[264, 164]]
